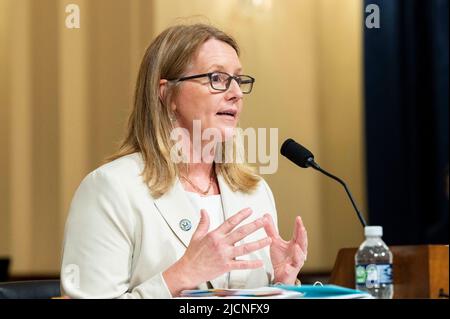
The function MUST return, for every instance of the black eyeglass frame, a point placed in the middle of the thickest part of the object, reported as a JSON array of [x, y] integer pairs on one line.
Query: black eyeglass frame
[[237, 78]]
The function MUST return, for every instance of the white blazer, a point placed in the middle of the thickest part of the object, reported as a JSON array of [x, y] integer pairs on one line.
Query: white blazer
[[119, 239]]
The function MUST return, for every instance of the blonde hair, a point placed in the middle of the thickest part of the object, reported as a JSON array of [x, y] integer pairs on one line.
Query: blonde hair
[[149, 124]]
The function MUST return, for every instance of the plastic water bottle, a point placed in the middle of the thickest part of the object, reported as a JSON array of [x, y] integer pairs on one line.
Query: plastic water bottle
[[373, 262]]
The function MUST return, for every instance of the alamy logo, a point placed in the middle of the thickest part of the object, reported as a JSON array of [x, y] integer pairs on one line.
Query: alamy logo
[[373, 18], [208, 145], [73, 17]]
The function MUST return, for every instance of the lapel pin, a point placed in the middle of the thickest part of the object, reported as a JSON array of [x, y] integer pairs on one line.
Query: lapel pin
[[185, 224]]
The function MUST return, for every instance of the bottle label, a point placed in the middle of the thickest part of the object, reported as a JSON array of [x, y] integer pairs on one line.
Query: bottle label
[[373, 275]]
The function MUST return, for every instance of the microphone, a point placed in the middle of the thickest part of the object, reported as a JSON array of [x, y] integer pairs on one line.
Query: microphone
[[301, 156]]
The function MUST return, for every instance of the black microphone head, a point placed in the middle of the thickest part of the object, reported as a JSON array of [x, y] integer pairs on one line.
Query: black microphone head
[[297, 153]]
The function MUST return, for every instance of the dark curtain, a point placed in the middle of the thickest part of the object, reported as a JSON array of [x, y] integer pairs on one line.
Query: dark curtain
[[406, 116]]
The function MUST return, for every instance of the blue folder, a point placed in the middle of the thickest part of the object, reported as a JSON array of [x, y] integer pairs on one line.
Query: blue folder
[[325, 291]]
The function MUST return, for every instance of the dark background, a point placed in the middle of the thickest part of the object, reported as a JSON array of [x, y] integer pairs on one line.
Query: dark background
[[406, 117]]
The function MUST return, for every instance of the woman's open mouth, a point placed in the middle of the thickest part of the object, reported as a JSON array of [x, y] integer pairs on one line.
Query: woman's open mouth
[[227, 113]]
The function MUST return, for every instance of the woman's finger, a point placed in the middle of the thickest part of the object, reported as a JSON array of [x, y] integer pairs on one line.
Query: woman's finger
[[269, 227], [297, 228], [233, 221], [243, 231], [251, 247], [299, 257], [304, 244], [203, 225], [245, 264], [300, 236]]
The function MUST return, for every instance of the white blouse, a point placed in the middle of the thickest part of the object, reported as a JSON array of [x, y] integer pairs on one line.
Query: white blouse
[[213, 205]]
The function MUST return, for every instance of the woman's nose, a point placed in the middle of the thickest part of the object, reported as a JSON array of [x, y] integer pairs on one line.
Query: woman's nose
[[234, 91]]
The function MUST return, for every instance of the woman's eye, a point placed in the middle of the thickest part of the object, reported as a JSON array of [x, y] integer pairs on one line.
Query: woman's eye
[[216, 77], [219, 77]]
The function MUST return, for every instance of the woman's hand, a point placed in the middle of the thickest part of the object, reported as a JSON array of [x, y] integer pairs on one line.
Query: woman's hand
[[211, 254], [287, 257]]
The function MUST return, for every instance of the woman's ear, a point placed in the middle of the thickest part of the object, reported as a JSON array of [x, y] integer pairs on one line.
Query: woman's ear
[[162, 93], [162, 89]]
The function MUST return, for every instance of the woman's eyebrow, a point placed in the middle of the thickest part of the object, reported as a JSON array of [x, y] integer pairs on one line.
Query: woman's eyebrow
[[219, 67]]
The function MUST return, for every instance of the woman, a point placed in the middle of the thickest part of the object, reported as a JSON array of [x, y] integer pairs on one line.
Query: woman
[[146, 226]]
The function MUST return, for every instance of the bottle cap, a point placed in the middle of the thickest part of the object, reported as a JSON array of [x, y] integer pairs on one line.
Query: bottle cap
[[373, 231]]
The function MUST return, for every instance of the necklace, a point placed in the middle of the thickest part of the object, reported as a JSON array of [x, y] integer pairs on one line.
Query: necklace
[[197, 189]]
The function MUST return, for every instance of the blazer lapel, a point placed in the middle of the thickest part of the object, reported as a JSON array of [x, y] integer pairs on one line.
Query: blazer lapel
[[174, 207], [178, 212]]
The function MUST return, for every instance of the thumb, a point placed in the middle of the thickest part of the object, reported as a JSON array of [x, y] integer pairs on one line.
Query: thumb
[[203, 225]]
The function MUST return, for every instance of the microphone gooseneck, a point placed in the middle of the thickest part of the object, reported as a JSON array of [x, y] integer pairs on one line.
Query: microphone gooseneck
[[301, 156]]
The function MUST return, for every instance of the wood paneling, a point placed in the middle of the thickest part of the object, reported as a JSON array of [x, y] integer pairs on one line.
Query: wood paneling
[[419, 271]]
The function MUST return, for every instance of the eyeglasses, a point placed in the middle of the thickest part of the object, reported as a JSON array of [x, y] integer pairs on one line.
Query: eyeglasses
[[221, 81]]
